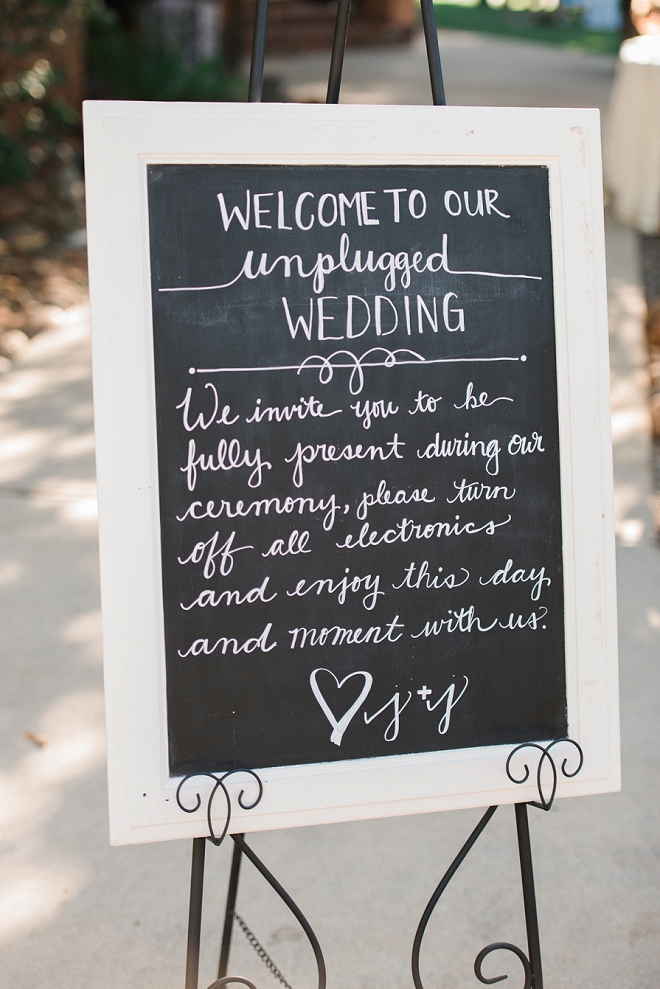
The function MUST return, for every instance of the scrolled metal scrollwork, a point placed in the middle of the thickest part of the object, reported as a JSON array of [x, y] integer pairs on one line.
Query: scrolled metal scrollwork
[[502, 946], [219, 785], [531, 962], [433, 902], [431, 905], [194, 923], [544, 803]]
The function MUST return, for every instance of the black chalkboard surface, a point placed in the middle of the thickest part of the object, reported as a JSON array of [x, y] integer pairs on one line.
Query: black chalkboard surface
[[358, 460]]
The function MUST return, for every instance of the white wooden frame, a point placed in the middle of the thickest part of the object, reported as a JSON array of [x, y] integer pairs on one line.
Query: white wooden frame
[[121, 139]]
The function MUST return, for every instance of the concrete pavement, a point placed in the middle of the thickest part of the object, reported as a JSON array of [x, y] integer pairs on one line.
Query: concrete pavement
[[76, 913]]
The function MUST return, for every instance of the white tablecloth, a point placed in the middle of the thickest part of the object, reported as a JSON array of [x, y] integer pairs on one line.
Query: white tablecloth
[[632, 147]]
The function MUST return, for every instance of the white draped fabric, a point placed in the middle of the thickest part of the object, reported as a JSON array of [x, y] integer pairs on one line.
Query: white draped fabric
[[632, 149]]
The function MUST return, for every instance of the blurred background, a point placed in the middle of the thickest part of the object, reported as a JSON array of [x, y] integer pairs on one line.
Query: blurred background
[[55, 53], [77, 914]]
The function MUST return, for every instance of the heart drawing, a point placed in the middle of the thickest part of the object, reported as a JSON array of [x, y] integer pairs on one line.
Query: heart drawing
[[339, 727]]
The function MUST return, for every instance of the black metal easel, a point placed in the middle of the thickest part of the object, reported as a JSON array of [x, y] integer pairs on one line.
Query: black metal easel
[[530, 960], [338, 49]]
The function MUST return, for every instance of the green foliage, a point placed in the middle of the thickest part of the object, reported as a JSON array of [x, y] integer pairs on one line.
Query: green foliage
[[44, 120], [15, 166], [33, 119], [562, 27], [132, 69], [97, 15]]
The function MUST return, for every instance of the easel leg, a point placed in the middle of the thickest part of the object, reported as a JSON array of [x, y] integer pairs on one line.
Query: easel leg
[[195, 912], [529, 895], [229, 912]]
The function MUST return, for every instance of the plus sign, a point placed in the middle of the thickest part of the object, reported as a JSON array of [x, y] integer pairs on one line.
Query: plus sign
[[424, 692]]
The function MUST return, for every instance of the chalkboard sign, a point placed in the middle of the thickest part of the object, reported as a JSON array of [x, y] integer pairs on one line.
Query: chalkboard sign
[[358, 446], [364, 513]]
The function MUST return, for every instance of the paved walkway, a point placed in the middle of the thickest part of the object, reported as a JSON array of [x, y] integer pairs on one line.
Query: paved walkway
[[478, 70], [77, 914]]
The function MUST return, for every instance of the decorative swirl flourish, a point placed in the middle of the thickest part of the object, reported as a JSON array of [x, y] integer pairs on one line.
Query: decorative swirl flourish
[[544, 803], [219, 785], [326, 367], [386, 358], [505, 946]]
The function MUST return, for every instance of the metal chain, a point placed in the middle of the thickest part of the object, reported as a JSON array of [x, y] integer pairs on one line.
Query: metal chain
[[261, 951]]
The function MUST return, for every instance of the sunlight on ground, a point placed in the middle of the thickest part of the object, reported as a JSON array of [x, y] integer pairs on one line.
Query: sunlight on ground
[[34, 893], [10, 572], [75, 501], [66, 742], [653, 617], [20, 453], [72, 746]]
